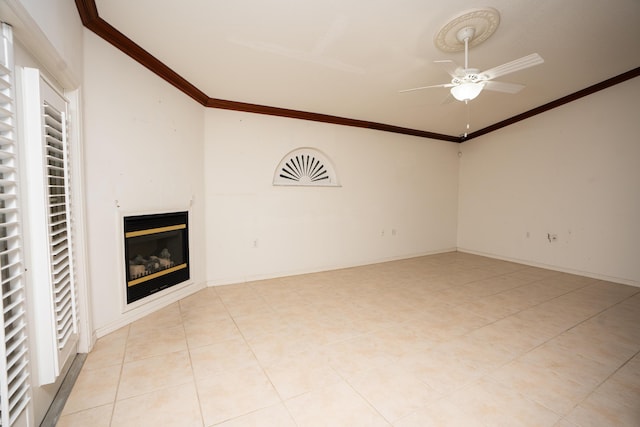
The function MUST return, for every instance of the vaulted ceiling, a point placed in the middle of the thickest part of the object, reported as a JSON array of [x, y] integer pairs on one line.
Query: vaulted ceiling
[[344, 61]]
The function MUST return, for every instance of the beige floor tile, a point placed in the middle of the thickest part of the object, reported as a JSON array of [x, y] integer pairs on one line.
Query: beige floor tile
[[565, 423], [95, 387], [283, 300], [570, 309], [174, 406], [300, 373], [358, 355], [258, 325], [273, 416], [622, 320], [335, 405], [235, 393], [393, 392], [248, 307], [621, 389], [567, 364], [553, 317], [235, 291], [488, 402], [241, 291], [206, 298], [154, 373], [155, 342], [204, 333], [433, 330], [479, 352], [615, 402], [108, 350], [316, 330], [166, 317], [439, 370], [533, 274], [213, 312], [538, 292], [608, 293], [542, 385], [402, 339], [494, 307], [221, 356], [95, 417], [270, 349], [599, 411], [442, 413], [515, 334], [598, 343], [333, 329], [295, 312], [487, 287], [457, 321]]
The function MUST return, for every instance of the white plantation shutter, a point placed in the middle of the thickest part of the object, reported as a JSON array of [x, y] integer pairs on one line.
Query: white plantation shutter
[[51, 266], [62, 277], [14, 372]]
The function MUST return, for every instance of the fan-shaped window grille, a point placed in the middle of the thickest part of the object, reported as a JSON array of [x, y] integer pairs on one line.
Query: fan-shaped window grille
[[307, 167]]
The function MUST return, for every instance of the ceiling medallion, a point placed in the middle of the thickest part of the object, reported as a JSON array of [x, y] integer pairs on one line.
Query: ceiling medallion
[[485, 22]]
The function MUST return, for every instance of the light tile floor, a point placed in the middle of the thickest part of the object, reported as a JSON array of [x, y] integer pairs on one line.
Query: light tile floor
[[444, 340]]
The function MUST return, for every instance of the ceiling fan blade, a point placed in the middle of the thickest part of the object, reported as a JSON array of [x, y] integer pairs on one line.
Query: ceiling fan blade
[[426, 87], [503, 87], [513, 66], [453, 69]]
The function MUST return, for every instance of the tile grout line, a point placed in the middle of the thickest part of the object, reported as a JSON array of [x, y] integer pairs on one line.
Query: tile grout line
[[195, 384], [124, 355], [599, 385]]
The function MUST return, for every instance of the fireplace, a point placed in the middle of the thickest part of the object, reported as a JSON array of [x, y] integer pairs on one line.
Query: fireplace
[[156, 252]]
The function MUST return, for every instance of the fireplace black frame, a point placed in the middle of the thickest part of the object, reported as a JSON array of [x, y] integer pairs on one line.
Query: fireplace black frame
[[161, 224]]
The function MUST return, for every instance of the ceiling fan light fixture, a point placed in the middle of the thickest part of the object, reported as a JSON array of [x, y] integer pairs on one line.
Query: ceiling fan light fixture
[[466, 91]]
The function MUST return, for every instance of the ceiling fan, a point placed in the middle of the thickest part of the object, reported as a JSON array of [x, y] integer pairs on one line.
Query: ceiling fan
[[467, 83]]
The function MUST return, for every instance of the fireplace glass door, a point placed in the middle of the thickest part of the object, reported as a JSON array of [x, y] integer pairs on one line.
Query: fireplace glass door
[[156, 252]]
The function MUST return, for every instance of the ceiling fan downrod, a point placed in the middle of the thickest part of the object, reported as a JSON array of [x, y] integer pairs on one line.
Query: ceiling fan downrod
[[465, 35]]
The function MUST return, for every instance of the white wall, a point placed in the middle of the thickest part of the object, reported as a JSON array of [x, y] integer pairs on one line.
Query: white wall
[[143, 150], [52, 31], [389, 182], [573, 171]]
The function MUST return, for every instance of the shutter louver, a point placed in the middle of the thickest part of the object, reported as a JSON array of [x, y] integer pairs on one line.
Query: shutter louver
[[14, 381], [59, 227]]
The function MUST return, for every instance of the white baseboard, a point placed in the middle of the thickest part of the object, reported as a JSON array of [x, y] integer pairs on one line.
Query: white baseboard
[[131, 316], [554, 267], [275, 275]]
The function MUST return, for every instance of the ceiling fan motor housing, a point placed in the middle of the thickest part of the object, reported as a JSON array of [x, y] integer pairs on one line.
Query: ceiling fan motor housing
[[471, 75]]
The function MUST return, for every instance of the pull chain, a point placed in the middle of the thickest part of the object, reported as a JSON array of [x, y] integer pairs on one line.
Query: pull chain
[[466, 132]]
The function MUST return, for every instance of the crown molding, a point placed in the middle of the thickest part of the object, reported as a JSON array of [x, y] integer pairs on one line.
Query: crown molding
[[91, 20], [558, 102]]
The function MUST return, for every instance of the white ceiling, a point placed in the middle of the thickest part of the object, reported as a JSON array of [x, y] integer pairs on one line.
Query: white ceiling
[[349, 58]]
